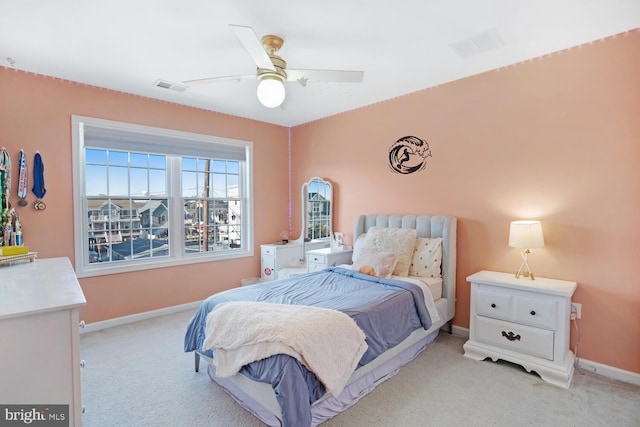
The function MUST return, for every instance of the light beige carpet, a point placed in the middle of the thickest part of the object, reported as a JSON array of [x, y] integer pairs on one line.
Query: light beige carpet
[[137, 375]]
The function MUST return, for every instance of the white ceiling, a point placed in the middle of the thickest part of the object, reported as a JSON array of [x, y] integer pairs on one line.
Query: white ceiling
[[401, 45]]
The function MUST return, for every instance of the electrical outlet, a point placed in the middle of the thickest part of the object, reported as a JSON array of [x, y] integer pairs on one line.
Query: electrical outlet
[[576, 308]]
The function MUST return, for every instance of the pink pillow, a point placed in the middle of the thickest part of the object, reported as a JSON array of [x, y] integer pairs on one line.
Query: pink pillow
[[374, 263]]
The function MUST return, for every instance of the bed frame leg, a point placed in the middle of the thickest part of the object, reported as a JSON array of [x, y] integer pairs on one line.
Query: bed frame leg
[[450, 323], [197, 360]]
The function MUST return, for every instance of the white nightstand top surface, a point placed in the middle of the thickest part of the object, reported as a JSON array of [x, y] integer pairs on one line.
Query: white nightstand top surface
[[509, 280], [326, 251]]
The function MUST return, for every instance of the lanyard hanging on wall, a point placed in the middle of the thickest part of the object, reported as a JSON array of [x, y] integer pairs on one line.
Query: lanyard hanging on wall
[[22, 179], [5, 185], [38, 182]]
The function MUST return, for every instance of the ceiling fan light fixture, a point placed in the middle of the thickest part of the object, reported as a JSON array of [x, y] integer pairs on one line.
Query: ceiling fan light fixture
[[271, 91]]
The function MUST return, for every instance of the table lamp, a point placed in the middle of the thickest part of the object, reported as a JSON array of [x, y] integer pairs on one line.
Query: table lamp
[[525, 235]]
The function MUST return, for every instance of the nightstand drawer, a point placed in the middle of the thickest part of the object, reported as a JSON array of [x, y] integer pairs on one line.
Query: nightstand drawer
[[535, 312], [315, 266], [514, 337], [317, 258], [494, 304]]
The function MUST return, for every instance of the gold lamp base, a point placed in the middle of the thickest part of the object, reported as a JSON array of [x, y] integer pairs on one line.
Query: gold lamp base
[[524, 269]]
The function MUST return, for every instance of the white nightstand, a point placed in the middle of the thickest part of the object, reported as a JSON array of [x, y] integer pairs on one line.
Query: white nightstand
[[522, 321], [319, 259]]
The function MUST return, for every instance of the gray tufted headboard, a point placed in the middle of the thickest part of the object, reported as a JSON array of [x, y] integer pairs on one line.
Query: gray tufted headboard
[[427, 226]]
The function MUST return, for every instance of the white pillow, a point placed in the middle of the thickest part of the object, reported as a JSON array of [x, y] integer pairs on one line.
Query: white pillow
[[358, 245], [427, 258], [400, 241], [375, 263]]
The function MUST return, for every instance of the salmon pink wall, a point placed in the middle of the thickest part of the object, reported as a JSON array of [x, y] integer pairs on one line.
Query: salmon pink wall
[[35, 114], [555, 139]]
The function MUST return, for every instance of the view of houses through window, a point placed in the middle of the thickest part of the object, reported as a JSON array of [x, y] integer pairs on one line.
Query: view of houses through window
[[128, 205]]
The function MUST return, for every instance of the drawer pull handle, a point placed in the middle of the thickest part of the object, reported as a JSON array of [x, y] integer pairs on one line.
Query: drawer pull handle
[[493, 306], [533, 312], [510, 336]]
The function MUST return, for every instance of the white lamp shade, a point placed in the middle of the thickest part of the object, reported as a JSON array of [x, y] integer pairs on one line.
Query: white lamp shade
[[526, 235], [271, 92]]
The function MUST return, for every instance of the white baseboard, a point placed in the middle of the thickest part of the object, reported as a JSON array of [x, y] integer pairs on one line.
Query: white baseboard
[[460, 331], [586, 365], [96, 326], [609, 371]]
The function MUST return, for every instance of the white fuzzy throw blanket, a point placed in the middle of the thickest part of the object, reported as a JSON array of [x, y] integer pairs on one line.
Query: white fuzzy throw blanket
[[328, 342]]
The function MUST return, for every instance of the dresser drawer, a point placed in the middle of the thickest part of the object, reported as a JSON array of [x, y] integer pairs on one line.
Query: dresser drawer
[[515, 337], [494, 304]]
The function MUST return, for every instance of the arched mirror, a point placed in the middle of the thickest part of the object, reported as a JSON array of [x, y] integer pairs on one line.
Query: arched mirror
[[317, 220], [317, 213]]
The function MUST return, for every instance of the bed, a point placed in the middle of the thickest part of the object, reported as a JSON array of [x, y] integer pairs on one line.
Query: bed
[[281, 390]]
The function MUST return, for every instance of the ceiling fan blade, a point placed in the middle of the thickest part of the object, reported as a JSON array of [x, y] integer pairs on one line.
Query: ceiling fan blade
[[252, 43], [206, 81], [304, 76]]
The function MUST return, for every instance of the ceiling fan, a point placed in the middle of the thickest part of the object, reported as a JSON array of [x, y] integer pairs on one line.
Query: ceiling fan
[[272, 70]]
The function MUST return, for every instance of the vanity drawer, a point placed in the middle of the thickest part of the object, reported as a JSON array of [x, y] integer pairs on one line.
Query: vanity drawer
[[494, 304], [268, 250], [517, 338]]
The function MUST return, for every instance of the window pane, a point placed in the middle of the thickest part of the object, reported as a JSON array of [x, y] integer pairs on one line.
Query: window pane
[[188, 163], [189, 184], [140, 160], [232, 184], [219, 166], [96, 180], [118, 158], [96, 156], [118, 180], [202, 185], [233, 167], [139, 186], [159, 162], [219, 185], [158, 182]]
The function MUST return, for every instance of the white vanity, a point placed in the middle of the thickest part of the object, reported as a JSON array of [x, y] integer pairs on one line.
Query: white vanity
[[279, 260]]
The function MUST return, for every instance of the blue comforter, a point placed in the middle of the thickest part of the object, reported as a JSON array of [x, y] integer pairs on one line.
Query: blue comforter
[[386, 310]]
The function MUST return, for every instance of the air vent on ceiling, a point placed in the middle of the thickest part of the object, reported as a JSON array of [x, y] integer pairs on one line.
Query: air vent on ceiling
[[479, 43], [171, 86]]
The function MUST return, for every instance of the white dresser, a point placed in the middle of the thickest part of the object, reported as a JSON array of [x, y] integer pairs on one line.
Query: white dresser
[[319, 259], [39, 332], [522, 321]]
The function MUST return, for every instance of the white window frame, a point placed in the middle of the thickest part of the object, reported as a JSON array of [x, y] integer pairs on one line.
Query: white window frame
[[155, 137]]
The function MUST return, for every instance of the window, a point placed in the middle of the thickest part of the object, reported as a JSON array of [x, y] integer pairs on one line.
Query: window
[[151, 197]]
